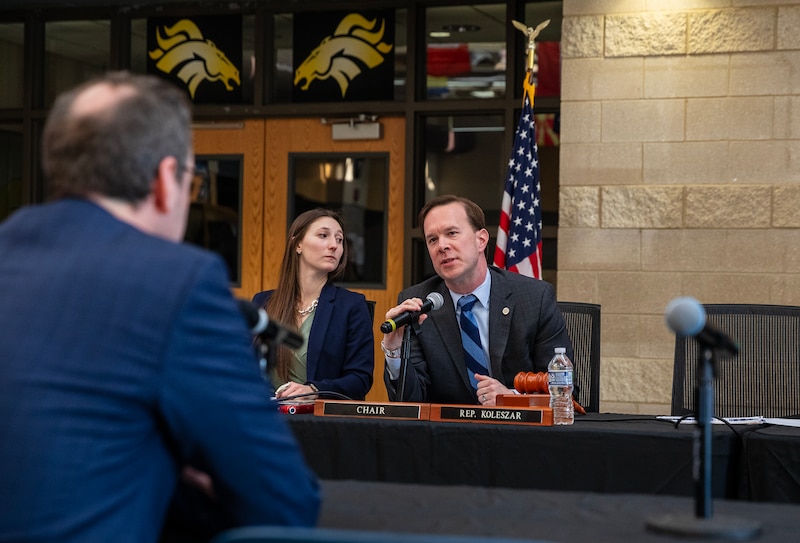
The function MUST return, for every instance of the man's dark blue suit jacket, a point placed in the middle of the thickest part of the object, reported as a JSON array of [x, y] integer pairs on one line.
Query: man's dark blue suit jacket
[[123, 358]]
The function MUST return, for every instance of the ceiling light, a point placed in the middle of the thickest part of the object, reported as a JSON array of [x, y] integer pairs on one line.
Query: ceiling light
[[461, 28]]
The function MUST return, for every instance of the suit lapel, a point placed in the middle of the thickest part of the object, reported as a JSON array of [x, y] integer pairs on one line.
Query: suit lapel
[[319, 328], [501, 311]]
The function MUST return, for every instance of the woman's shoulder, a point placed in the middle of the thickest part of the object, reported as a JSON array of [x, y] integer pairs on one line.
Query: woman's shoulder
[[354, 305], [261, 298], [345, 294]]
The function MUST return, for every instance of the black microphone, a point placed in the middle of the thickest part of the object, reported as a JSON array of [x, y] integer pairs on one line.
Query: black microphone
[[433, 301], [686, 317], [269, 329]]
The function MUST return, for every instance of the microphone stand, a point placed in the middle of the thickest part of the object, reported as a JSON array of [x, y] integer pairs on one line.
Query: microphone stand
[[405, 355], [702, 525], [705, 412], [266, 356], [405, 352]]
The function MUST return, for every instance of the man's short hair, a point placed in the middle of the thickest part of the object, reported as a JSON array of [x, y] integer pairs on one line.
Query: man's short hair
[[474, 212], [115, 150]]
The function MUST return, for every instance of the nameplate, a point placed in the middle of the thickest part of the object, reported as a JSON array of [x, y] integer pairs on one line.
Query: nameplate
[[533, 416], [391, 410]]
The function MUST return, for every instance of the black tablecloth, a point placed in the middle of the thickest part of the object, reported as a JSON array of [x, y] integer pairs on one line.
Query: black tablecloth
[[569, 517], [599, 453], [770, 469]]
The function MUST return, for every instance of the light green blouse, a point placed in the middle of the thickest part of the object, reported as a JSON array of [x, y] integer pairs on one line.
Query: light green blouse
[[298, 368]]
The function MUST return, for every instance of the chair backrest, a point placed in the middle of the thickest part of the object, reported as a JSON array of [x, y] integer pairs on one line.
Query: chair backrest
[[762, 380], [280, 534], [583, 326], [371, 309]]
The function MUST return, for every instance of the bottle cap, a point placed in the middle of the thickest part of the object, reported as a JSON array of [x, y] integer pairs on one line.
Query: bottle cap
[[561, 350]]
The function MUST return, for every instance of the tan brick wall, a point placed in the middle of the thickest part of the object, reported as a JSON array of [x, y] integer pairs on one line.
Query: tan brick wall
[[680, 171]]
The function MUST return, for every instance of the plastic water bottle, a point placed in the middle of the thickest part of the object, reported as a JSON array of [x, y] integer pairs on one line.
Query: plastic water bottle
[[559, 381]]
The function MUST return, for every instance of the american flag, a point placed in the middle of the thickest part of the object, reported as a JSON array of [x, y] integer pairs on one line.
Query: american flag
[[519, 237]]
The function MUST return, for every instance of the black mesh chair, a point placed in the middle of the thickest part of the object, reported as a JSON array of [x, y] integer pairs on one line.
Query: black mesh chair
[[583, 326], [762, 380]]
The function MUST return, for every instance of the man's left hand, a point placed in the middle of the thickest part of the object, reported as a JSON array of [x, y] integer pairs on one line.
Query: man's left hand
[[488, 390]]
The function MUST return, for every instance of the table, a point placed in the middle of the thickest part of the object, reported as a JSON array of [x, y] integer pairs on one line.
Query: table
[[600, 453], [770, 468], [569, 517]]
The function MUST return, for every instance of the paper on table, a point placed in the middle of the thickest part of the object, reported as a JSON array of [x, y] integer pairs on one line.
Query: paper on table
[[731, 420], [735, 420], [783, 422]]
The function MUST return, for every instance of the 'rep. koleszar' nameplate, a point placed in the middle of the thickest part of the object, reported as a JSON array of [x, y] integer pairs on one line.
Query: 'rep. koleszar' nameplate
[[390, 410], [535, 415]]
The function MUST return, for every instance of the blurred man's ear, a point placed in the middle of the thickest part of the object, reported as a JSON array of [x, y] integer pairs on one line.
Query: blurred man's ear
[[166, 184]]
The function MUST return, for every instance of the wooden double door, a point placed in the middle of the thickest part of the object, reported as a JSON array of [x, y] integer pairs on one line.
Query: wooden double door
[[263, 149]]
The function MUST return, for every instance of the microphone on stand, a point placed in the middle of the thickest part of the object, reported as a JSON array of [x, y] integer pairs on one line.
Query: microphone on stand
[[433, 301], [686, 317], [268, 329]]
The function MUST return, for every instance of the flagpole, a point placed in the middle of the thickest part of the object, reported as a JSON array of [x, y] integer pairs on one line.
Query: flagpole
[[519, 240]]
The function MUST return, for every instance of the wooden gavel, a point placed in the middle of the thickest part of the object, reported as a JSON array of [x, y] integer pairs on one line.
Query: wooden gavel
[[528, 382]]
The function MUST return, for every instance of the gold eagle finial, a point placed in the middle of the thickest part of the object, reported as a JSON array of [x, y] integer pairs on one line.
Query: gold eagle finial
[[531, 33]]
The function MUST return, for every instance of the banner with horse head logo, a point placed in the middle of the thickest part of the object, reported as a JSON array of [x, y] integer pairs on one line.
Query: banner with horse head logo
[[343, 56], [200, 54]]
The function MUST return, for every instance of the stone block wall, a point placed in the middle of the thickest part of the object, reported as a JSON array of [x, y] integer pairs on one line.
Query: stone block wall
[[680, 171]]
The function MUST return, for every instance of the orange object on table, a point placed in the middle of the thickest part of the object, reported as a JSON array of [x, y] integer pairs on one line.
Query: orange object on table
[[528, 382]]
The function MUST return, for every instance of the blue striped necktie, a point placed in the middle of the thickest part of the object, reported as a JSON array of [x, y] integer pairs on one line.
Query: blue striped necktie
[[471, 339]]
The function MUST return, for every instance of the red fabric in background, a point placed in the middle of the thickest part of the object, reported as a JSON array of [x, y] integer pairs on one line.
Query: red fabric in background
[[448, 60], [548, 82]]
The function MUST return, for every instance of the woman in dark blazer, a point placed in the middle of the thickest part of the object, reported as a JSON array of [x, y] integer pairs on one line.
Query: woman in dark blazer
[[338, 354]]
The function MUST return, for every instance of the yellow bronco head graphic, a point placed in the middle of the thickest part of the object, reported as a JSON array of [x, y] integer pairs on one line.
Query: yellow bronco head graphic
[[355, 39], [182, 47]]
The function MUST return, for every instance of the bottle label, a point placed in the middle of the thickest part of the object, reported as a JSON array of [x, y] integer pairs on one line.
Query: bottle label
[[559, 378]]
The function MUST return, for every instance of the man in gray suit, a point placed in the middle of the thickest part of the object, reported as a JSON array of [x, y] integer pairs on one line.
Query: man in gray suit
[[514, 324]]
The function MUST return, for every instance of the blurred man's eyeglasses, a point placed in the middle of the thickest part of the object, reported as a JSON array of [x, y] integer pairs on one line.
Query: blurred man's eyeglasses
[[199, 175]]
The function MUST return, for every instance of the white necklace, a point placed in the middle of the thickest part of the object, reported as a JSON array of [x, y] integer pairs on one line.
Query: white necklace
[[309, 309]]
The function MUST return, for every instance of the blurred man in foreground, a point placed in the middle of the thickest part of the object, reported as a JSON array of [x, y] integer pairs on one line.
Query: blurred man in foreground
[[125, 360]]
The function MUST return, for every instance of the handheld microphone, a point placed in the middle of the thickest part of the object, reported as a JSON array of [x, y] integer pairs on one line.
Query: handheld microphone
[[686, 317], [269, 329], [433, 301]]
